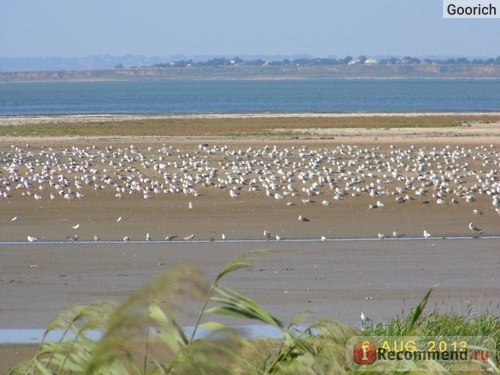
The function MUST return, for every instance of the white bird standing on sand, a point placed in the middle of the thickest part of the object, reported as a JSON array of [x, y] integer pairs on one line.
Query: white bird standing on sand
[[427, 234], [364, 319], [96, 238], [223, 236], [323, 238], [278, 237], [148, 237], [169, 237], [475, 229], [302, 218], [14, 218], [381, 235], [119, 219], [267, 234], [126, 239], [190, 205], [76, 226], [396, 234], [190, 237], [31, 238]]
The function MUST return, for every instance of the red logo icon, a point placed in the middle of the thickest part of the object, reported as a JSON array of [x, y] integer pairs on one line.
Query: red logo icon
[[365, 353]]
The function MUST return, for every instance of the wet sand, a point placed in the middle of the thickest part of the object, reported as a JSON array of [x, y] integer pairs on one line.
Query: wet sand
[[384, 278], [328, 279]]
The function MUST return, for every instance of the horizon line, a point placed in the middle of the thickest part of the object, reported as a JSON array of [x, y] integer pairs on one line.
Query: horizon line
[[248, 55]]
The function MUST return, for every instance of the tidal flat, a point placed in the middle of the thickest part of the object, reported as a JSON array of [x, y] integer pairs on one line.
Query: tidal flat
[[348, 182]]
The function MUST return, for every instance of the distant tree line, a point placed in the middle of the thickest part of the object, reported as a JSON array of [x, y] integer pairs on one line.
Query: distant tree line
[[222, 61]]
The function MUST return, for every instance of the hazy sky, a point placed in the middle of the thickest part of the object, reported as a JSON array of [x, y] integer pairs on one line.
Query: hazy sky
[[232, 28]]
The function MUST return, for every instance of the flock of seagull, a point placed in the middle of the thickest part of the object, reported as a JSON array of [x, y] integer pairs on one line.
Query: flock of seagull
[[442, 176]]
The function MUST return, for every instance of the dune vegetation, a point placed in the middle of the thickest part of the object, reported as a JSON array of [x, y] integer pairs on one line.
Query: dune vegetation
[[229, 126]]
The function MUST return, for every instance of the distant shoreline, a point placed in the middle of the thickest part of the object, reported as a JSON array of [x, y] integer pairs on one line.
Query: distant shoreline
[[44, 119], [347, 72]]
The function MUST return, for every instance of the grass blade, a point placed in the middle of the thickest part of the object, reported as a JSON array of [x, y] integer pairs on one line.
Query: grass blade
[[416, 313]]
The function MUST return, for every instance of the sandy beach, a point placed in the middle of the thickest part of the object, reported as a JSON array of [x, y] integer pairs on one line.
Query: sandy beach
[[51, 119], [325, 278]]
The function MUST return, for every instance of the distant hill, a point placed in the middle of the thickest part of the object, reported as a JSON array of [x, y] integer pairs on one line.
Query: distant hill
[[267, 71], [16, 64]]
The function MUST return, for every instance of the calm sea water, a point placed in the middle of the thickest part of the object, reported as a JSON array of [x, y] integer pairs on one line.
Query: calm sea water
[[195, 97]]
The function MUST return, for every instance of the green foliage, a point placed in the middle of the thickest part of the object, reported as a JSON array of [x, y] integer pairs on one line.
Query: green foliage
[[144, 336]]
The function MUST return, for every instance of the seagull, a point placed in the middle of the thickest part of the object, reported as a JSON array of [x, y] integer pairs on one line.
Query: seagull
[[169, 237], [323, 238], [73, 237], [477, 212], [381, 235], [364, 319], [31, 238], [76, 226], [278, 237], [190, 205], [190, 237], [14, 218], [267, 234], [475, 229], [96, 238], [397, 234], [119, 219], [126, 239], [302, 218], [148, 237], [427, 234], [223, 236]]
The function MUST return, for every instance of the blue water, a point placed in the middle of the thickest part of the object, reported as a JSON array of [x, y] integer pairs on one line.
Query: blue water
[[35, 335], [204, 97]]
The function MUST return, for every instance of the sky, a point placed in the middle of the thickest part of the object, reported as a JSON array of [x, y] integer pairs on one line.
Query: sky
[[231, 28]]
